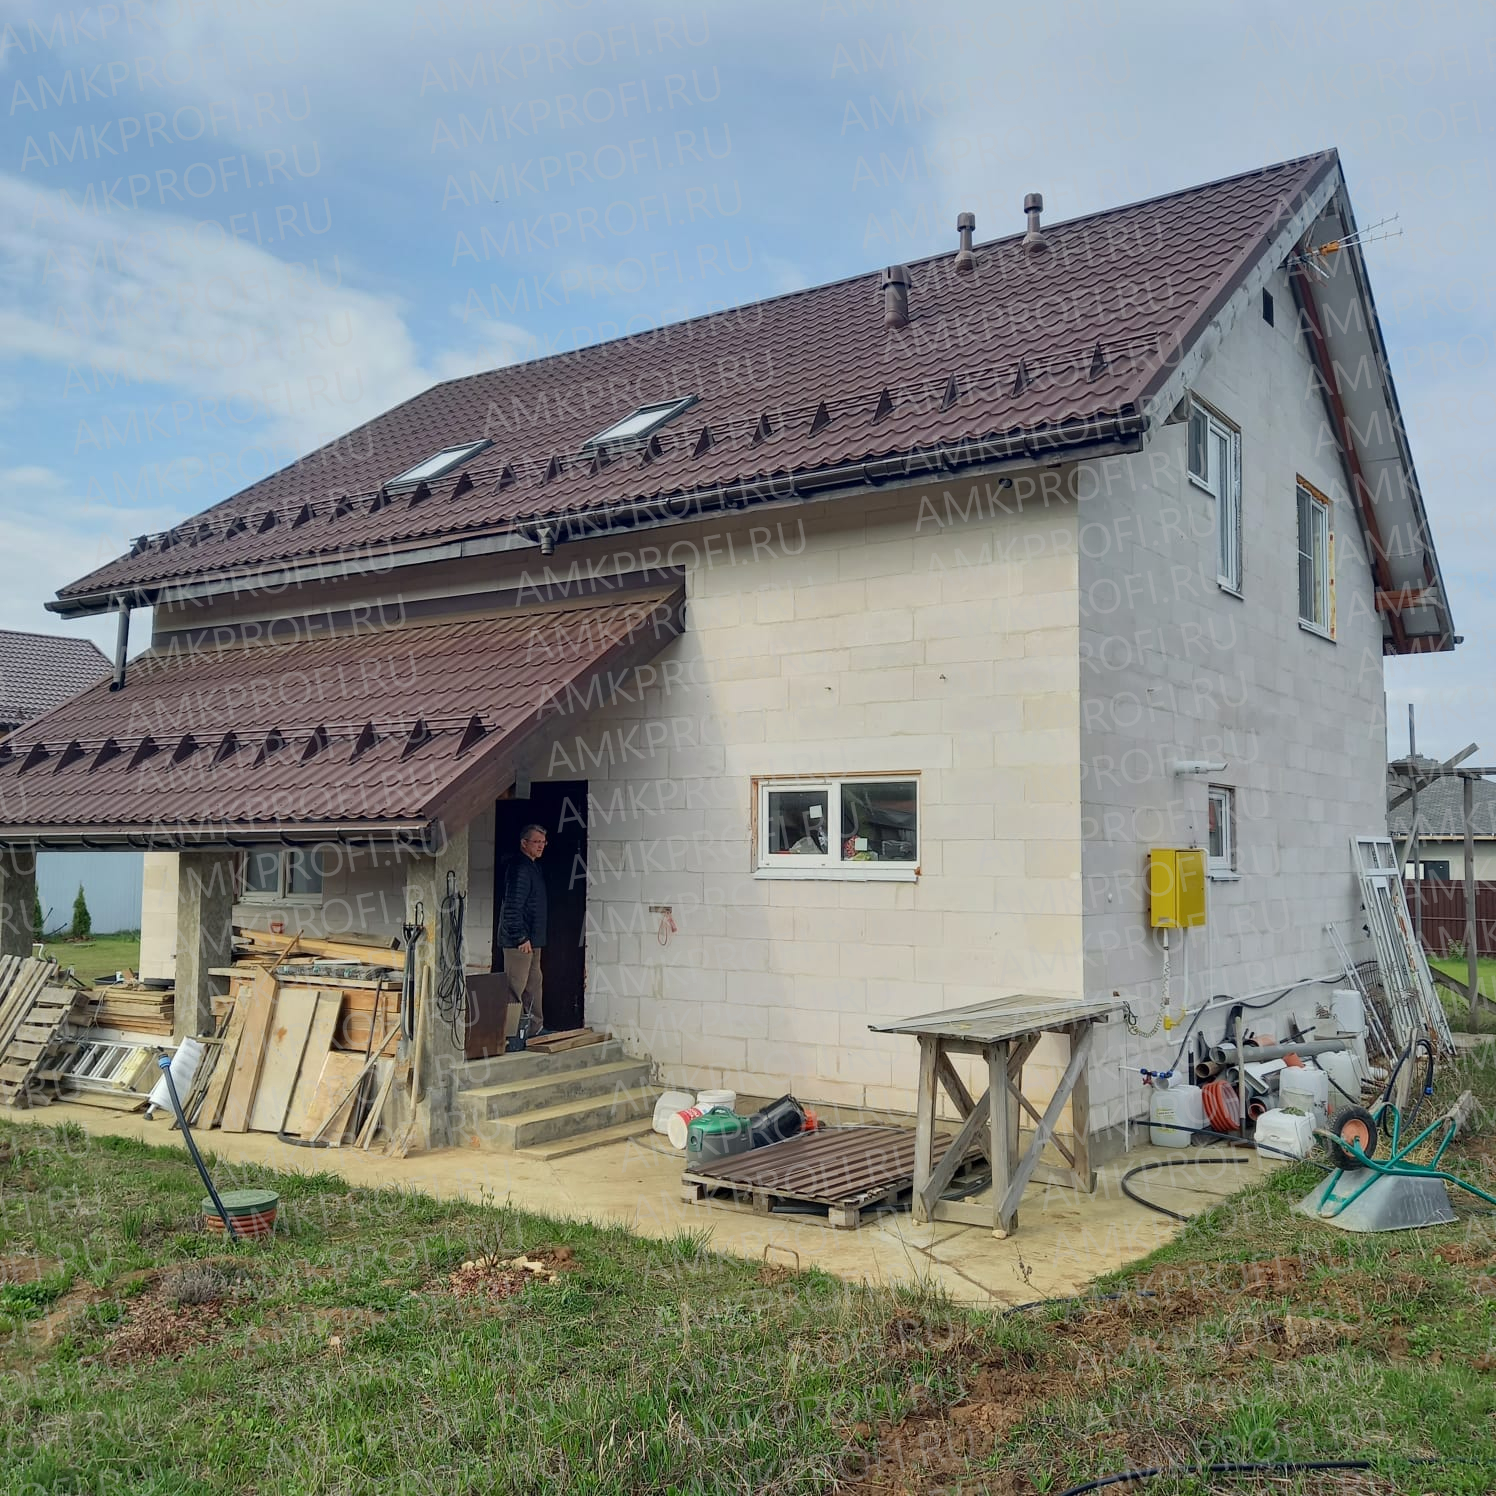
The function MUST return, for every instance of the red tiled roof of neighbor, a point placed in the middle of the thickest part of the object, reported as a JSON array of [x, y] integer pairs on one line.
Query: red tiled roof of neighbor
[[40, 671], [1026, 344], [385, 729]]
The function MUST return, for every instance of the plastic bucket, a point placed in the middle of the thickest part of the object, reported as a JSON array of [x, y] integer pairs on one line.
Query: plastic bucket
[[718, 1134], [251, 1211], [779, 1120], [675, 1127], [706, 1100], [668, 1104]]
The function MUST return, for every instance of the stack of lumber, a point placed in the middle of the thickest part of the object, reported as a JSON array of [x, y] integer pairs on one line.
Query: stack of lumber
[[306, 1051], [564, 1039], [130, 1007], [33, 1008]]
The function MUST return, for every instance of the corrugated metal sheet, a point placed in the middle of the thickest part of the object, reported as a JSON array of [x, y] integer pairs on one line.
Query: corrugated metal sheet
[[835, 1166]]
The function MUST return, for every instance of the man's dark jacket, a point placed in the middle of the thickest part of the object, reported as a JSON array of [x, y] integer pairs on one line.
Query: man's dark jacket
[[522, 916]]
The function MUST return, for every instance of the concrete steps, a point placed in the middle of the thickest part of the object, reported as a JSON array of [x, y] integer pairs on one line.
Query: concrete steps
[[540, 1102]]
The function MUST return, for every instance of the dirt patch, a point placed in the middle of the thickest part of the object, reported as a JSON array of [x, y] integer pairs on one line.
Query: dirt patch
[[154, 1330], [21, 1268], [496, 1277]]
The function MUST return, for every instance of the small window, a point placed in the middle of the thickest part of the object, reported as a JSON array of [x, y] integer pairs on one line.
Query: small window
[[644, 422], [1316, 587], [1435, 872], [1215, 466], [443, 462], [1267, 306], [859, 827], [278, 877], [1221, 844]]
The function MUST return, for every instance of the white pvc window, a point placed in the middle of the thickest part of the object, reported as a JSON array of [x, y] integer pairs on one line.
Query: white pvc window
[[642, 423], [438, 464], [1221, 834], [1215, 466], [857, 827], [290, 875], [1316, 593]]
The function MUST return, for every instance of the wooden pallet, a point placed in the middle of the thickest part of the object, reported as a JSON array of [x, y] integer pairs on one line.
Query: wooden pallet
[[34, 1036], [848, 1171]]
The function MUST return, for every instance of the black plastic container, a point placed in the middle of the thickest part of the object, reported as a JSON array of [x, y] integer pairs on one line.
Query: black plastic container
[[779, 1120]]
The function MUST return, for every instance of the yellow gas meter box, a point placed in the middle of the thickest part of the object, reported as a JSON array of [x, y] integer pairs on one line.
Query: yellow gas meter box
[[1176, 887]]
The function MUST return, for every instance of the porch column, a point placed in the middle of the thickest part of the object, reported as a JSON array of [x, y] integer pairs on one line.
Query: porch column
[[443, 1051], [17, 900], [205, 935]]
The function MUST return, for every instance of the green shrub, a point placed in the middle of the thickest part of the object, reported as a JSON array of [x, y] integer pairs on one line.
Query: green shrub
[[82, 919]]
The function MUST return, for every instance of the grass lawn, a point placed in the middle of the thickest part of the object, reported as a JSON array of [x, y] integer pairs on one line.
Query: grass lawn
[[144, 1356], [99, 956], [1455, 1006]]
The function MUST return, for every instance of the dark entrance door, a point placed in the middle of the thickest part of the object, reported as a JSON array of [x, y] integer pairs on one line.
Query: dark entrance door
[[561, 807]]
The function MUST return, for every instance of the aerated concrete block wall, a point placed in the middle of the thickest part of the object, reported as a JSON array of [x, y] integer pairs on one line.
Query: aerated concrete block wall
[[925, 632], [1174, 667]]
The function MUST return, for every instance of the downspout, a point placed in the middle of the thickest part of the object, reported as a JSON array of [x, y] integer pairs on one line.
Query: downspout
[[121, 644]]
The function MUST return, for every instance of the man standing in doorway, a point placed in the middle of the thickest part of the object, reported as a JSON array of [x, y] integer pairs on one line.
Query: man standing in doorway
[[522, 930]]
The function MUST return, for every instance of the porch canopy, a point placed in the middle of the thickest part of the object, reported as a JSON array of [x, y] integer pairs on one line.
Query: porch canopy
[[351, 731]]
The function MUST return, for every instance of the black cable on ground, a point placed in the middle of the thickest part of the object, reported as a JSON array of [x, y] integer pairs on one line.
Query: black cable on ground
[[1169, 1163], [1231, 1137], [1232, 1467]]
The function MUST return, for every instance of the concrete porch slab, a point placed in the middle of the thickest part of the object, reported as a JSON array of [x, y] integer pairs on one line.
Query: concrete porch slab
[[1064, 1240]]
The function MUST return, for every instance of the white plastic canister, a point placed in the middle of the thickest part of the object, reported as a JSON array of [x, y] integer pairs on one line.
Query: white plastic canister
[[706, 1100], [184, 1065], [1175, 1112], [1306, 1088], [1279, 1132], [1344, 1077]]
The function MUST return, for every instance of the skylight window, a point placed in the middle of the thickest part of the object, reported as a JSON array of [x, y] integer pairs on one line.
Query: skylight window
[[443, 462], [644, 422]]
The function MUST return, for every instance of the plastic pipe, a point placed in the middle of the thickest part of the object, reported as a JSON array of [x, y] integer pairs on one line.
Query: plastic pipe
[[164, 1061], [1229, 1054]]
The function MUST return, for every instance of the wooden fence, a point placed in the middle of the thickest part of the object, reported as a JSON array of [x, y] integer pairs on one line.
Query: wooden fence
[[1444, 916]]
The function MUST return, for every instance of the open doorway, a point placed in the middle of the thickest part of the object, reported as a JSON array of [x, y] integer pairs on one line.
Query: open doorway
[[561, 807]]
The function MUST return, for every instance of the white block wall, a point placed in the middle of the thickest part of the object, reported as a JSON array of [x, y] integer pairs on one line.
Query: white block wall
[[1173, 667], [892, 634]]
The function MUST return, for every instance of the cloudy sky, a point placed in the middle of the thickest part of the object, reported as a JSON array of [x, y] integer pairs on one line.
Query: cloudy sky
[[230, 229]]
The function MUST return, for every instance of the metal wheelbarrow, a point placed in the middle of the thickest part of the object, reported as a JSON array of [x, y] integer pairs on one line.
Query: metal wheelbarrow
[[1366, 1193]]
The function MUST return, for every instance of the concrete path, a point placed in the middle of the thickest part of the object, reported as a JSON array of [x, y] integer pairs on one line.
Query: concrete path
[[1064, 1239]]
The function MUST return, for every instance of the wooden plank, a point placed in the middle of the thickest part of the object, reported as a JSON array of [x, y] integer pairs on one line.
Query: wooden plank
[[223, 1071], [1472, 936], [924, 1124], [1003, 1132], [318, 1043], [1079, 1152], [955, 1087], [354, 952], [285, 1044], [246, 1077], [331, 1104], [371, 1124], [950, 1160]]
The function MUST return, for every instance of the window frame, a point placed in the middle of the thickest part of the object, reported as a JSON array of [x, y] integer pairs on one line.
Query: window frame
[[282, 893], [832, 866], [667, 412], [1323, 563], [1225, 866], [1225, 489], [461, 453]]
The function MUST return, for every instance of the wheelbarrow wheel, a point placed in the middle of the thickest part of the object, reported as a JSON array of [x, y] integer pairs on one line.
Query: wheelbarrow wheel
[[1355, 1125]]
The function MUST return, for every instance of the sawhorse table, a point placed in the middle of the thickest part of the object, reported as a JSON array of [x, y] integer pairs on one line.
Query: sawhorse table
[[1003, 1033]]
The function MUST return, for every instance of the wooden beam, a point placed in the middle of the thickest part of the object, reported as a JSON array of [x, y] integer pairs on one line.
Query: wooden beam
[[1004, 1136], [924, 1123], [1080, 1054], [1424, 780], [1396, 599], [950, 1160]]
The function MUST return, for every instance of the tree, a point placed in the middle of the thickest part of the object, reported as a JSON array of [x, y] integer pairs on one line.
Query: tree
[[36, 918], [82, 919]]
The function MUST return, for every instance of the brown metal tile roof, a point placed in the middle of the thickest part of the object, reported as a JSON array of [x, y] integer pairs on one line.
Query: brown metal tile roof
[[386, 729], [40, 671], [1047, 346]]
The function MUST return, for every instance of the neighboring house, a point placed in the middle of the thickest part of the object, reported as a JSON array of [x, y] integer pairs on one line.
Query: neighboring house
[[37, 673], [1441, 826], [40, 671], [855, 646]]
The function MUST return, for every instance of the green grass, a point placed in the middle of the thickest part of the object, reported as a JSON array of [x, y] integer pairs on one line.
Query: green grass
[[1455, 1006], [99, 956], [340, 1361]]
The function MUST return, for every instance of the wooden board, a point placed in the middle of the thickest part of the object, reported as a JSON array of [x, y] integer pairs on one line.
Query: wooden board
[[246, 1077], [284, 1047], [223, 1070], [319, 1041], [339, 1071]]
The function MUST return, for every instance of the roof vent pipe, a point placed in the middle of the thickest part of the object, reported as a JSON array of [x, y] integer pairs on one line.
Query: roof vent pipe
[[121, 645], [966, 260], [547, 541], [1034, 241], [895, 284]]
